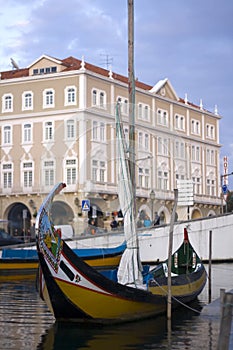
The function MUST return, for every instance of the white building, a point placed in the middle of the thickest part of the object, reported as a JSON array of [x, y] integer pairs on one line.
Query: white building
[[57, 123]]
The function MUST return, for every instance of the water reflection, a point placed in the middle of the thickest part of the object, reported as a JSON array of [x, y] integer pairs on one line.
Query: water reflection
[[23, 317], [26, 323], [147, 334], [128, 336]]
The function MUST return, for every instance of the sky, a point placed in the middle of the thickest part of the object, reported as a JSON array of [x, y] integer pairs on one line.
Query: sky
[[190, 42]]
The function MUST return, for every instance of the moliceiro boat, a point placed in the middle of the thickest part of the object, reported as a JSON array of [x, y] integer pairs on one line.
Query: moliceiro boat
[[22, 263], [74, 291]]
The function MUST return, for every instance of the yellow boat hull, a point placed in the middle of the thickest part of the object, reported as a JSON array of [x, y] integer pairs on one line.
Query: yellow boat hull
[[25, 269]]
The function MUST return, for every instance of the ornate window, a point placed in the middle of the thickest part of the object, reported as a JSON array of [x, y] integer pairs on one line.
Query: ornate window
[[70, 129], [71, 171], [102, 95], [94, 98], [163, 180], [98, 131], [27, 133], [27, 100], [98, 171], [94, 169], [98, 98], [48, 131], [179, 149], [139, 111], [180, 173], [146, 142], [179, 122], [49, 172], [140, 140], [210, 185], [197, 184], [7, 135], [102, 131], [196, 153], [143, 141], [143, 111], [102, 171], [162, 117], [48, 98], [7, 103], [195, 127], [210, 131], [162, 146], [7, 175], [95, 130], [143, 177], [27, 174], [70, 95], [210, 157], [124, 105]]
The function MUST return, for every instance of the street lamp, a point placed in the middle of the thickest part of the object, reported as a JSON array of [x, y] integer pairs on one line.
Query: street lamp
[[222, 190], [152, 198], [144, 158]]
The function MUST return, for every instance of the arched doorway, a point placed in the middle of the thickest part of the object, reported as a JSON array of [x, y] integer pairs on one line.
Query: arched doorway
[[61, 213], [19, 218], [196, 214]]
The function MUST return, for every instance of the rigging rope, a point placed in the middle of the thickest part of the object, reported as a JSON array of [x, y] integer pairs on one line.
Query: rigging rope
[[178, 301]]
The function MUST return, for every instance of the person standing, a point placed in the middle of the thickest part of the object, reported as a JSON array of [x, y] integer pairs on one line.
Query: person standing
[[147, 221], [157, 219], [114, 224]]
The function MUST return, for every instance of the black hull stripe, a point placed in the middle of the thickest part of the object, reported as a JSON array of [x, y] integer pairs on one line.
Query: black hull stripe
[[62, 307]]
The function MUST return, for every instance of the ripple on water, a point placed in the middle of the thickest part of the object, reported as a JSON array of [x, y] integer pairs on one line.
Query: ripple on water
[[26, 323], [24, 317]]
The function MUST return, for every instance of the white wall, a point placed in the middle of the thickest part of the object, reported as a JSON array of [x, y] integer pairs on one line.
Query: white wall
[[154, 242]]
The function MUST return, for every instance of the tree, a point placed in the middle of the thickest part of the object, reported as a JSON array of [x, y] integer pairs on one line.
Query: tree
[[229, 201]]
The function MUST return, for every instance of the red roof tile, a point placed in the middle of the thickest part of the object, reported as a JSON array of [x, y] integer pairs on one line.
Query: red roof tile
[[16, 73], [72, 63]]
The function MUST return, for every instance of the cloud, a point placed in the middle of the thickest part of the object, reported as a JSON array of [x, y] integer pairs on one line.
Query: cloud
[[189, 42]]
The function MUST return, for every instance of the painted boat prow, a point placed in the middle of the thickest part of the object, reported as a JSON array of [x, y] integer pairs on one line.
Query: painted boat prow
[[77, 292]]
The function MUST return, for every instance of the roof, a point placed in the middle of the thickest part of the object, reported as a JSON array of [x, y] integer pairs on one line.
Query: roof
[[71, 63]]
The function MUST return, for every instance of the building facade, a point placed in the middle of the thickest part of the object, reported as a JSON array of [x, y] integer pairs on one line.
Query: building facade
[[57, 123]]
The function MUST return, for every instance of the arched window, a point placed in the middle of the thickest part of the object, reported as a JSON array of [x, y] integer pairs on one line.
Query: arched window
[[139, 111], [48, 131], [101, 99], [146, 141], [27, 133], [7, 135], [71, 171], [70, 129], [94, 98], [7, 103], [27, 100], [48, 98], [70, 95]]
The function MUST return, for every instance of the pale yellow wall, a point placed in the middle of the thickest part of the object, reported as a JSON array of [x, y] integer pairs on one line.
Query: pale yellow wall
[[60, 113]]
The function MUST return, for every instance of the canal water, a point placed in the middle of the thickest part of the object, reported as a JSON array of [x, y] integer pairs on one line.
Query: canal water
[[26, 323]]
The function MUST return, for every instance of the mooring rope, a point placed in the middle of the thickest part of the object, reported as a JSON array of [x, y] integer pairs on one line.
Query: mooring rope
[[178, 301]]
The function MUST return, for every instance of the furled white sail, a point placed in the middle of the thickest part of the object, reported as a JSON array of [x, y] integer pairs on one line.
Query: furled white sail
[[129, 271]]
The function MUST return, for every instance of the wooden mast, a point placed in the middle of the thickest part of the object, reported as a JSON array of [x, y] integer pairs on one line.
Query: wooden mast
[[170, 245], [131, 91]]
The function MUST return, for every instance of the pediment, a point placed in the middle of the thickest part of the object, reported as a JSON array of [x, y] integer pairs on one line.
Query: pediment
[[45, 65], [165, 89]]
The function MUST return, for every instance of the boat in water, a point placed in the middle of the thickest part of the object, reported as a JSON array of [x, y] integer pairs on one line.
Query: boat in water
[[74, 291], [17, 263], [22, 263]]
